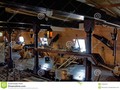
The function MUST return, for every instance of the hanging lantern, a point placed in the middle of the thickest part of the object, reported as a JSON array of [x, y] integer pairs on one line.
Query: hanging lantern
[[49, 33]]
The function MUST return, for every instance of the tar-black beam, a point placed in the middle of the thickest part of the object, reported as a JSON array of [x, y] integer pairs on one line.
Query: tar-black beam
[[36, 30], [89, 26], [10, 62], [36, 61]]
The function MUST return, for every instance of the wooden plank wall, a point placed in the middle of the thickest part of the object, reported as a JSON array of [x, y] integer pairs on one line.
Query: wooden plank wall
[[69, 34]]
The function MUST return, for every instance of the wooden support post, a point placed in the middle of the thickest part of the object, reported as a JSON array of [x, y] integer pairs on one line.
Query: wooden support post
[[114, 38], [89, 26], [36, 62], [10, 62]]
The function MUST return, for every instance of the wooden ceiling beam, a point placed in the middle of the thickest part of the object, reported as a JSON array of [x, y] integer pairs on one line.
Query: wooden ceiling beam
[[109, 5]]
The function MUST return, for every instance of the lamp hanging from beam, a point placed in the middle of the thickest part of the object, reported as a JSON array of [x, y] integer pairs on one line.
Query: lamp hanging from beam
[[49, 33]]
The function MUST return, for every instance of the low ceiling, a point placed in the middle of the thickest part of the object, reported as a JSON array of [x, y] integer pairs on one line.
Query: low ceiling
[[111, 7], [65, 13]]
